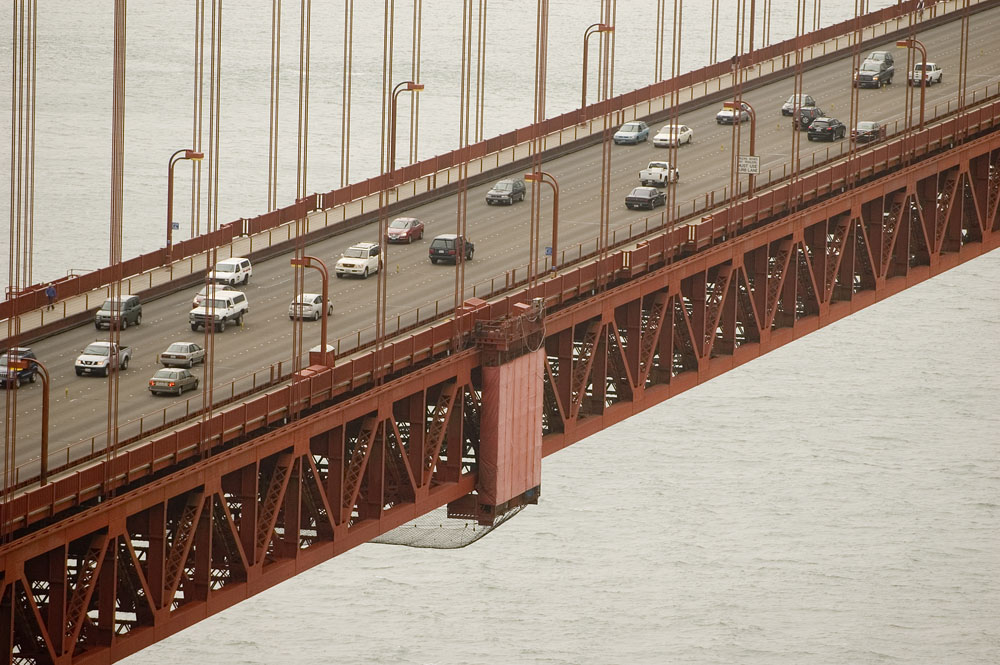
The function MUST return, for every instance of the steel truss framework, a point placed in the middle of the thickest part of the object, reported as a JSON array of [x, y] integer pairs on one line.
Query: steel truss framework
[[110, 580]]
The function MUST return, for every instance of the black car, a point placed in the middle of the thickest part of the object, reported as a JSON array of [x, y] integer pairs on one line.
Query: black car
[[807, 115], [506, 191], [868, 131], [827, 129], [874, 74], [451, 247], [645, 197], [17, 375]]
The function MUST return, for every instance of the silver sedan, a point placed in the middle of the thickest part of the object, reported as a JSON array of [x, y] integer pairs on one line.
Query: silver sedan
[[182, 354], [172, 380]]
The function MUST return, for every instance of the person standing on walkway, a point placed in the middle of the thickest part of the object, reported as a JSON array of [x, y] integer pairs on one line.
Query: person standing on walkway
[[50, 293]]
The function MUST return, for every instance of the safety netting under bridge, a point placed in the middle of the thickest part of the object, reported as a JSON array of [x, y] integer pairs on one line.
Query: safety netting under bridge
[[436, 530]]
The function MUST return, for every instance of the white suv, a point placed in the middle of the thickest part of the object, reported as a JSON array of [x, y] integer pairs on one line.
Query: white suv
[[361, 259], [236, 270], [308, 306]]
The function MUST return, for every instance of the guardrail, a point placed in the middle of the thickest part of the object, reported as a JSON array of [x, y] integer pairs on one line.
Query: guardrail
[[317, 385], [441, 170]]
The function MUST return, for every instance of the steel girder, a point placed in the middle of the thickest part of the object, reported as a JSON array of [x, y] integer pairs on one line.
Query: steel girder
[[109, 580], [667, 330]]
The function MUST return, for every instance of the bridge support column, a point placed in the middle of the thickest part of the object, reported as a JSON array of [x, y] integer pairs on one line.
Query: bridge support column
[[510, 433]]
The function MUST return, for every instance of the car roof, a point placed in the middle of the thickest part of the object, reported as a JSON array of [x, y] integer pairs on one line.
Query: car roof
[[446, 236], [406, 219], [17, 349], [223, 293], [364, 245], [826, 119], [235, 259], [183, 341], [306, 296]]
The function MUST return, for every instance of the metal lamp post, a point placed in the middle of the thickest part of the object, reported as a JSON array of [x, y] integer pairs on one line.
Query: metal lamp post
[[737, 108], [23, 364], [174, 158], [405, 86], [592, 29], [313, 262], [548, 178], [915, 43]]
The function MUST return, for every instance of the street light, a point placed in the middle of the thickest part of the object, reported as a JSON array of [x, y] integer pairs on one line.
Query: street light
[[23, 364], [737, 108], [540, 176], [410, 86], [909, 43], [174, 158], [597, 27], [313, 262]]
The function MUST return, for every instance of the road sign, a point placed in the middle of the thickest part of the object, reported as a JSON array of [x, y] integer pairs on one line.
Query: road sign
[[548, 251], [749, 164], [176, 226]]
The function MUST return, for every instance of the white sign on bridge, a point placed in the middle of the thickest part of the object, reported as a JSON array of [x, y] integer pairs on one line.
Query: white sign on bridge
[[748, 164]]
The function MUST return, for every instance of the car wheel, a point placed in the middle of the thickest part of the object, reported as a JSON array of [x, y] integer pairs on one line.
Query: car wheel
[[221, 326], [97, 325], [79, 372], [316, 316], [246, 280], [471, 252], [339, 274], [434, 261], [180, 390], [194, 327], [190, 363], [17, 381], [31, 379], [138, 320], [194, 386], [239, 320], [124, 363], [124, 323], [364, 275]]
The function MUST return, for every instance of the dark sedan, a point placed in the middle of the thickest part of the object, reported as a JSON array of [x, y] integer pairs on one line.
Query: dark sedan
[[645, 197], [827, 129], [868, 131], [807, 116], [405, 229]]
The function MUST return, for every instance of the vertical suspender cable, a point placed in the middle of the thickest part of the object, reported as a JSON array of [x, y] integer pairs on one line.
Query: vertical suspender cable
[[800, 21], [480, 73], [605, 88], [301, 191], [385, 191], [345, 105], [855, 108], [115, 241], [198, 95], [464, 131], [272, 144], [537, 122], [674, 117], [418, 10]]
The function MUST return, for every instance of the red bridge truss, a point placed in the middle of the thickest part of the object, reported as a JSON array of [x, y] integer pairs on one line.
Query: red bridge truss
[[113, 558]]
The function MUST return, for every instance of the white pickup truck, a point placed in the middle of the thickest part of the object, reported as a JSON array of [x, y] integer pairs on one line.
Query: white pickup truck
[[929, 70], [658, 174], [100, 357]]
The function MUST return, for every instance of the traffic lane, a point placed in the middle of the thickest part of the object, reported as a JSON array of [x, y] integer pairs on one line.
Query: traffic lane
[[499, 232]]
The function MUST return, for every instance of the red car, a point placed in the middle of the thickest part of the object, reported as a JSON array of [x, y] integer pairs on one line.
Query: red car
[[405, 229]]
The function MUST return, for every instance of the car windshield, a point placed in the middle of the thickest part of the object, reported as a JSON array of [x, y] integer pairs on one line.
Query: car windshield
[[225, 267], [870, 67], [400, 224], [794, 98], [177, 347], [820, 124], [355, 253], [670, 129], [165, 374], [96, 350], [217, 303], [109, 305], [503, 186], [630, 127], [866, 126], [440, 242]]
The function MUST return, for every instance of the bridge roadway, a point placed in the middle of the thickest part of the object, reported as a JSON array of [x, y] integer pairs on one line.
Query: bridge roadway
[[79, 404]]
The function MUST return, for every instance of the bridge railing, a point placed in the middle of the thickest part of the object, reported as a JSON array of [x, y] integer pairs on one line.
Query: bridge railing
[[232, 422], [357, 198]]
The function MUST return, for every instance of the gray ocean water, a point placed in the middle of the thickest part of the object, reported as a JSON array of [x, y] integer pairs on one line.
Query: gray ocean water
[[836, 501]]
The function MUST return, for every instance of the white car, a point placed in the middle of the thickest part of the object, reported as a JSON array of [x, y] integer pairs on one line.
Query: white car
[[361, 259], [308, 306], [932, 72], [673, 135], [231, 272]]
